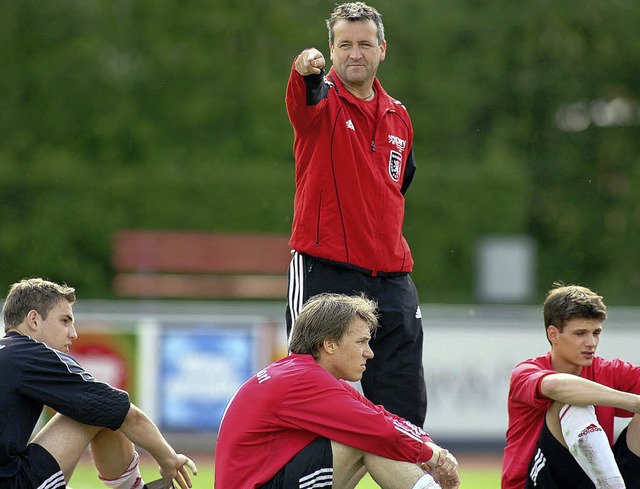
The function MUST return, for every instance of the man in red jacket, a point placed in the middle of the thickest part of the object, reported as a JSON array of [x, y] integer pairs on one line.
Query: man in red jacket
[[562, 405], [354, 162], [299, 423]]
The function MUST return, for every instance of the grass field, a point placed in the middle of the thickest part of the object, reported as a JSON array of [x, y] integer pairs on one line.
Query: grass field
[[85, 477]]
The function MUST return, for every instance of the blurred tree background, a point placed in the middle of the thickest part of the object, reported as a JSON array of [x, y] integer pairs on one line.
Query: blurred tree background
[[160, 114]]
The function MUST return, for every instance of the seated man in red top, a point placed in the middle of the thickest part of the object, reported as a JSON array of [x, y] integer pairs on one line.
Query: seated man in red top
[[562, 405], [298, 423]]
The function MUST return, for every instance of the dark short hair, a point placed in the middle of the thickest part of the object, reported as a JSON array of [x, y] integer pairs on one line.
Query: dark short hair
[[33, 294], [328, 316], [354, 11], [565, 302]]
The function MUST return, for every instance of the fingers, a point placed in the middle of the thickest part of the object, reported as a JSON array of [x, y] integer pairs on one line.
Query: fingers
[[442, 465], [309, 62], [446, 481], [452, 483], [192, 466], [181, 475], [315, 61], [447, 463]]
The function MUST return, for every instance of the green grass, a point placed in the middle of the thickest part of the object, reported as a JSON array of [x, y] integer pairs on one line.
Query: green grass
[[85, 477]]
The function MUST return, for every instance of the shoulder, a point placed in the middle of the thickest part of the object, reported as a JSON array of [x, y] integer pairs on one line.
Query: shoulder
[[304, 372], [37, 357], [530, 367], [294, 367], [18, 345], [394, 106], [611, 363], [397, 104], [601, 364], [391, 102], [534, 363]]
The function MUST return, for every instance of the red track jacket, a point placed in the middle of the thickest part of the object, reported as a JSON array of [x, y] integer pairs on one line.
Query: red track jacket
[[350, 178]]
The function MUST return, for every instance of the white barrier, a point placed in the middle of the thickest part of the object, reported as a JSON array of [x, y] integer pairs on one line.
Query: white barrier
[[469, 351]]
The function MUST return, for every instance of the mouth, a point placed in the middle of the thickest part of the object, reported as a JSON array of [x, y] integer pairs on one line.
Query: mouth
[[588, 354]]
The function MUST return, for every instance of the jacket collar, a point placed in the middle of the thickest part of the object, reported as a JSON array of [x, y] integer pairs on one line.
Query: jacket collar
[[385, 99]]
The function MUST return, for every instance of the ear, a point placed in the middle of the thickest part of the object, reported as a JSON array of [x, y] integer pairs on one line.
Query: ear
[[329, 346], [383, 50], [32, 320], [552, 334]]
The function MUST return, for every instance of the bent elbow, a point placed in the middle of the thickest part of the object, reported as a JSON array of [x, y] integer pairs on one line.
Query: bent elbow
[[552, 386]]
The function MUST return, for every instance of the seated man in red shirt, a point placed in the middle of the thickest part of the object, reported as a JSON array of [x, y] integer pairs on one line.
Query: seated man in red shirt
[[299, 423], [562, 405]]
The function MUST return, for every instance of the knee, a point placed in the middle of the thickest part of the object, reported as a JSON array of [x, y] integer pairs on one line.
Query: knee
[[344, 454], [633, 435], [564, 419], [575, 421]]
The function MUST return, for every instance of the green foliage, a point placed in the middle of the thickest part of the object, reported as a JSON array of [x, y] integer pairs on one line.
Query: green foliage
[[161, 114]]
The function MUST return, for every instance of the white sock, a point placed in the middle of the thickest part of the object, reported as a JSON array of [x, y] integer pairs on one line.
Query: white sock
[[130, 478], [589, 445], [426, 482]]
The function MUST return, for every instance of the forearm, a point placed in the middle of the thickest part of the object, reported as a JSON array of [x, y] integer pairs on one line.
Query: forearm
[[577, 391], [139, 428]]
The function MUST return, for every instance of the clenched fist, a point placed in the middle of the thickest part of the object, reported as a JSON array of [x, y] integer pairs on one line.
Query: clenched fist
[[309, 62]]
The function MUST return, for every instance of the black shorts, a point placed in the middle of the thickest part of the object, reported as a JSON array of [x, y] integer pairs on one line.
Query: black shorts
[[311, 467], [394, 376], [628, 462], [553, 466], [38, 470]]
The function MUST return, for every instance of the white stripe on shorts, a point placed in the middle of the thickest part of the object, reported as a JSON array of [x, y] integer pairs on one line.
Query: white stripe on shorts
[[53, 482], [320, 478], [295, 294]]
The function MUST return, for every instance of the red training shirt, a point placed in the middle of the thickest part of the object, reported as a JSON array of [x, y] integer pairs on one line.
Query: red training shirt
[[289, 404], [527, 408]]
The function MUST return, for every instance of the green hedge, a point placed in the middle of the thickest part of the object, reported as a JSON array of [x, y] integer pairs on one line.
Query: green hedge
[[170, 115]]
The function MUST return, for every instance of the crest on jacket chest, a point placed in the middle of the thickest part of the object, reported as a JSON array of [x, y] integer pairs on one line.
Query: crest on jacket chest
[[395, 165]]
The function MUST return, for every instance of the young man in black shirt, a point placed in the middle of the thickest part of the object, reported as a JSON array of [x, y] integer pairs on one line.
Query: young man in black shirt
[[37, 371]]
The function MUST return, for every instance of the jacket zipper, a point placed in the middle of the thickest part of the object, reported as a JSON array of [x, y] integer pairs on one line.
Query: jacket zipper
[[318, 221]]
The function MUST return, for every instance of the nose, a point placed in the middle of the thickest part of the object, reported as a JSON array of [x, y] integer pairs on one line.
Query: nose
[[368, 352], [73, 334], [356, 53]]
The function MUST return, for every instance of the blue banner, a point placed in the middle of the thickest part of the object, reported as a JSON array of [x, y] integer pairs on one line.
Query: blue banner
[[201, 369]]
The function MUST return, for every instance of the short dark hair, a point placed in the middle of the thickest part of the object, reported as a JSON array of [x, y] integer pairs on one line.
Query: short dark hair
[[565, 302], [354, 11], [328, 316], [33, 294]]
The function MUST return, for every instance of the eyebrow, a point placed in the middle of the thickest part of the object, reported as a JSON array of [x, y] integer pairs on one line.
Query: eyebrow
[[585, 330]]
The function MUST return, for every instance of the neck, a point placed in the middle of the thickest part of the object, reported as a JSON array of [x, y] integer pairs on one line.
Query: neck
[[370, 96], [564, 367], [363, 92]]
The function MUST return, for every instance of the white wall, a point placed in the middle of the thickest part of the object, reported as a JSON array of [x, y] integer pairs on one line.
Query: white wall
[[469, 351]]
